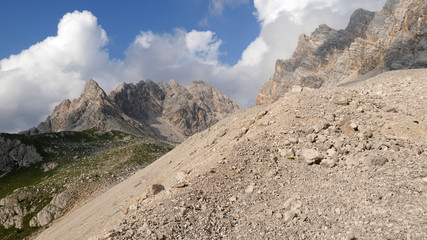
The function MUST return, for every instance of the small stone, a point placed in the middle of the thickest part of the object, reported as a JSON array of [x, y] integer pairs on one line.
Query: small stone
[[250, 188], [243, 131], [311, 156], [354, 125], [390, 109], [268, 212], [321, 138], [375, 161], [155, 189], [327, 163], [293, 140], [288, 204], [332, 152], [309, 130], [289, 215], [340, 100], [296, 89], [319, 126], [287, 153], [330, 118], [311, 138], [351, 236], [233, 198]]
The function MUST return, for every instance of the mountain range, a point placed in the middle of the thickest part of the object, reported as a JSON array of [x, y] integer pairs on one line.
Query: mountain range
[[168, 111]]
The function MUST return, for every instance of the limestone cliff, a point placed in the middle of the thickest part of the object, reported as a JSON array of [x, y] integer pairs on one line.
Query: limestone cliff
[[392, 39], [173, 111]]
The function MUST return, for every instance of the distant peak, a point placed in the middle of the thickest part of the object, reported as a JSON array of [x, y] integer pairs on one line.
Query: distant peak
[[92, 89], [173, 82], [359, 20], [91, 85]]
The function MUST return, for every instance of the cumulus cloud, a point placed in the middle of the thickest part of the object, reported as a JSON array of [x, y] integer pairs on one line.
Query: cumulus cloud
[[49, 71], [35, 80], [269, 10]]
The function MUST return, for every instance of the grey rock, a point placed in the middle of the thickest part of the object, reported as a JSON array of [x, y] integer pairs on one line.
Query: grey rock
[[14, 153], [339, 100], [49, 166], [374, 161], [155, 189], [311, 156], [287, 153]]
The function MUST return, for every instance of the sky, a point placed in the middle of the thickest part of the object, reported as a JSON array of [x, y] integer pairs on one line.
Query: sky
[[50, 48]]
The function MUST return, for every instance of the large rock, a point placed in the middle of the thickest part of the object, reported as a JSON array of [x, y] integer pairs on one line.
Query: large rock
[[392, 39], [14, 153]]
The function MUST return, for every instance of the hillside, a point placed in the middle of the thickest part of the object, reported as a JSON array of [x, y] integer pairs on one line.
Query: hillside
[[71, 167], [334, 163]]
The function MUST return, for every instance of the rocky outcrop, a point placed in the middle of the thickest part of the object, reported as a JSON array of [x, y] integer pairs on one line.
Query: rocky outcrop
[[173, 111], [94, 109], [392, 39], [51, 211], [14, 153], [166, 110], [199, 106]]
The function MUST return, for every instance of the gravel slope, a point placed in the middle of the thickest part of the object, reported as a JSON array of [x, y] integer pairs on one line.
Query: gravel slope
[[335, 163]]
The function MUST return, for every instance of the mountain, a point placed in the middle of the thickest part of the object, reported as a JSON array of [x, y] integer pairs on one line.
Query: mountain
[[165, 110], [344, 162], [392, 39], [93, 109]]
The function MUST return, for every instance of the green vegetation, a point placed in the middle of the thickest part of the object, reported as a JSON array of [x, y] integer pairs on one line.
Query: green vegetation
[[86, 162]]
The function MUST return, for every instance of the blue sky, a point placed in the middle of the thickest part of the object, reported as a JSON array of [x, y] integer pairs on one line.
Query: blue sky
[[50, 48], [27, 22]]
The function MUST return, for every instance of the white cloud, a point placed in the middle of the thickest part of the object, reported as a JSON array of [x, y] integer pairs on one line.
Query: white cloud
[[49, 71], [34, 81], [253, 54], [269, 10], [204, 45]]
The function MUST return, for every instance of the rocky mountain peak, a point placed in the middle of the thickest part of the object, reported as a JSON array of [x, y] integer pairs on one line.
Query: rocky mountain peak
[[359, 22], [93, 91], [172, 82]]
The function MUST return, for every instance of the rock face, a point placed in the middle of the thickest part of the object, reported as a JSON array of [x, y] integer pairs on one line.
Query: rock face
[[174, 111], [14, 153], [392, 39], [166, 110]]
